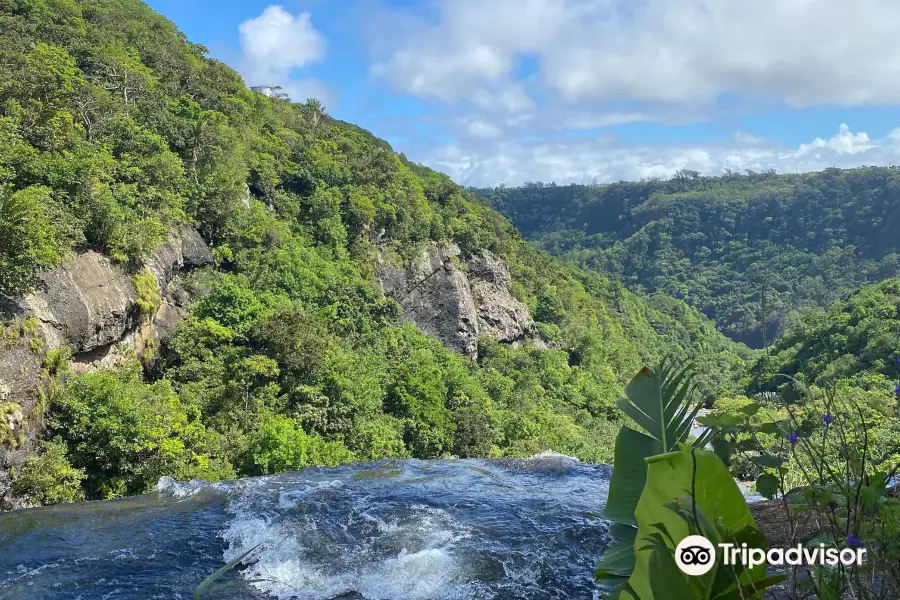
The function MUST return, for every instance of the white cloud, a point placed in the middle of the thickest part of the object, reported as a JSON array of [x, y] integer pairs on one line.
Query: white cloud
[[747, 139], [607, 119], [488, 163], [274, 45], [845, 142], [482, 129], [801, 52], [511, 98]]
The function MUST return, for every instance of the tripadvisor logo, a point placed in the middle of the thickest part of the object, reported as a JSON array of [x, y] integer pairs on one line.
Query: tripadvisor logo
[[695, 555]]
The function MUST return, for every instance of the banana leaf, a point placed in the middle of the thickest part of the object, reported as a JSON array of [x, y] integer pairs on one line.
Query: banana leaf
[[722, 514], [658, 400]]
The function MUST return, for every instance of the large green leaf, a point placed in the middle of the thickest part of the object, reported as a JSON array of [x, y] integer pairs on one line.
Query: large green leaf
[[659, 401], [629, 474], [666, 580], [617, 561], [702, 478]]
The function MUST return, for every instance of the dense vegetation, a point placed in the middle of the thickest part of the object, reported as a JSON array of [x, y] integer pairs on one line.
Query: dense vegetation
[[823, 465], [855, 340], [741, 248], [815, 258], [114, 128]]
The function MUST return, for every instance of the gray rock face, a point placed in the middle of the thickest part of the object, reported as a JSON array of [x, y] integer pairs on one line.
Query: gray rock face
[[434, 293], [20, 368], [500, 315], [185, 249], [86, 303], [194, 251], [442, 300]]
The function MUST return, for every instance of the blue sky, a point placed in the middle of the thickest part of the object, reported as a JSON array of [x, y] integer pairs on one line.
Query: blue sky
[[493, 91]]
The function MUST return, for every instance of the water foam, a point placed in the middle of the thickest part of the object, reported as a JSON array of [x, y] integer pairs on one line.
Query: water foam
[[508, 529], [378, 554], [178, 489], [550, 454]]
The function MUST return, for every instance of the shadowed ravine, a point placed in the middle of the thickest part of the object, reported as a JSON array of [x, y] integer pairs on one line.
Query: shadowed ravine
[[511, 529]]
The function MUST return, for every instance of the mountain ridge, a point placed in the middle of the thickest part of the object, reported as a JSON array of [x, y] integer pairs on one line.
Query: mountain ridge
[[719, 243]]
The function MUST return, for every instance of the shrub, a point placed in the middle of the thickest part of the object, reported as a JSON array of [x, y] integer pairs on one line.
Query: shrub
[[49, 477], [126, 434], [149, 298], [827, 464], [279, 444]]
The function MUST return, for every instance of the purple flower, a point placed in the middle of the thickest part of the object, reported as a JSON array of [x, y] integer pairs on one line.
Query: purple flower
[[854, 541], [897, 389], [792, 438], [897, 360], [828, 419]]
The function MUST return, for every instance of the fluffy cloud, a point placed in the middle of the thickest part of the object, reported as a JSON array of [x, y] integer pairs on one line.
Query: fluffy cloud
[[470, 52], [274, 45], [482, 129], [605, 159], [800, 52], [511, 98], [845, 142]]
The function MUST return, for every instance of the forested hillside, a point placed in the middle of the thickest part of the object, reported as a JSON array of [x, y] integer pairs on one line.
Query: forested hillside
[[855, 341], [116, 132], [738, 247]]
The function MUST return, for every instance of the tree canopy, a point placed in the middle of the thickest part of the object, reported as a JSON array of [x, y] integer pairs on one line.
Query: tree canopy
[[743, 249]]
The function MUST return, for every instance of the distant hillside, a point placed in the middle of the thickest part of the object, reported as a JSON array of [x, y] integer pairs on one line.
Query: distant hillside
[[203, 281], [719, 242], [855, 340]]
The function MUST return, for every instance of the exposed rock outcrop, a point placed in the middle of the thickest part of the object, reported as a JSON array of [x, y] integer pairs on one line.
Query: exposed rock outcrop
[[434, 293], [457, 300], [88, 304], [500, 315]]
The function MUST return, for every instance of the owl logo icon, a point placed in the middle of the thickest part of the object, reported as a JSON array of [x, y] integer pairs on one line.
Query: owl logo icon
[[695, 555]]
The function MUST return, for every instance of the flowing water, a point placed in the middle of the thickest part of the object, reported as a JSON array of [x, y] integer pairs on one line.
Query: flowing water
[[400, 530]]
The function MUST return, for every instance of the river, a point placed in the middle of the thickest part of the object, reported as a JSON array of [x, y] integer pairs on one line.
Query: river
[[394, 530]]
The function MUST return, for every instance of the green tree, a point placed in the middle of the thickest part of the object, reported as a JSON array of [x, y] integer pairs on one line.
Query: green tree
[[49, 477], [125, 434], [28, 241]]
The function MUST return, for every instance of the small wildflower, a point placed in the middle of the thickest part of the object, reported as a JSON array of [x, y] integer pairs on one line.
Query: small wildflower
[[828, 419], [897, 389], [854, 541], [792, 438]]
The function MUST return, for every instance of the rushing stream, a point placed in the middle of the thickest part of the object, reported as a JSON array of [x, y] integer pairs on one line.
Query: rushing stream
[[436, 530]]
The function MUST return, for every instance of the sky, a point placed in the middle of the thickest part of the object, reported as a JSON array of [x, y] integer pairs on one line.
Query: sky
[[509, 91]]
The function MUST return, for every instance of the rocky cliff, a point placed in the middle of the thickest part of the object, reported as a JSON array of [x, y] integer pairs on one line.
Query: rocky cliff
[[90, 305], [458, 298]]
